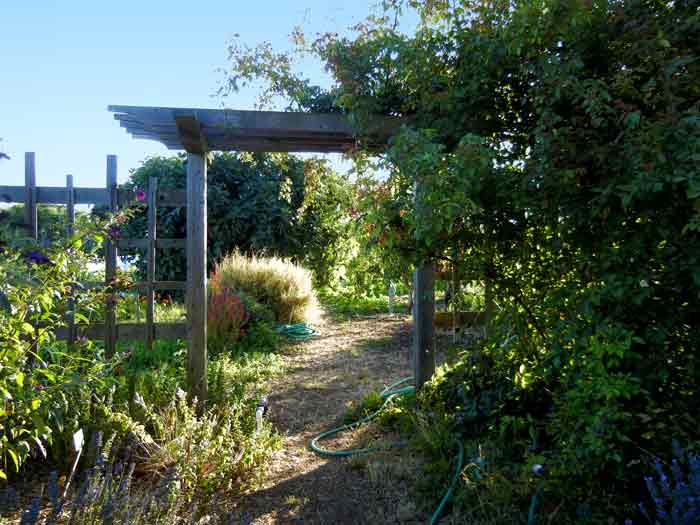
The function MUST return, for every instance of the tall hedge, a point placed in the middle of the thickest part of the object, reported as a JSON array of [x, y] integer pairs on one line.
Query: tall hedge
[[273, 203]]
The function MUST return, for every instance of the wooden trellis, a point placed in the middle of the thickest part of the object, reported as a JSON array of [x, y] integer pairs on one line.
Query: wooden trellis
[[113, 198], [199, 131]]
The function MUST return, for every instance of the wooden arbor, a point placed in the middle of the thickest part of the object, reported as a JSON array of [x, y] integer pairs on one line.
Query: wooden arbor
[[199, 131]]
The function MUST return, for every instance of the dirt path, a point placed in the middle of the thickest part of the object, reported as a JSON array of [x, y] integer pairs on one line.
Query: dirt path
[[323, 377]]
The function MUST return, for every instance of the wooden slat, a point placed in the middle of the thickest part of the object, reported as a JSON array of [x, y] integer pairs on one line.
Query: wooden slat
[[30, 211], [70, 221], [162, 285], [151, 259], [252, 130], [142, 244], [128, 331], [158, 285], [197, 276], [51, 195], [110, 332], [166, 197]]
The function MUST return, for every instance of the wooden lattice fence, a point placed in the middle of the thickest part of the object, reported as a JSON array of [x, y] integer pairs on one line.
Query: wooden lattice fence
[[114, 199]]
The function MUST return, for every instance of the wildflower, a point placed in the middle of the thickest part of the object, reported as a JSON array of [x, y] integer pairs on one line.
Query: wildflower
[[113, 231], [140, 195], [37, 258]]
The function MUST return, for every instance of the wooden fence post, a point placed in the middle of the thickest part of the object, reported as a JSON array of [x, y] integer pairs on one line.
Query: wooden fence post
[[70, 221], [30, 209], [151, 260], [197, 276], [423, 319], [111, 262], [423, 306]]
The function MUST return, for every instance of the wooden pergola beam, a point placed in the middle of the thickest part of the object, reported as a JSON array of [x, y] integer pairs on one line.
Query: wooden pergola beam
[[228, 129], [190, 133]]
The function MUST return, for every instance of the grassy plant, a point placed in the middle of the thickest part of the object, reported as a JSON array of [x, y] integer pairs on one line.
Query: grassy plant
[[284, 287], [345, 304], [226, 317]]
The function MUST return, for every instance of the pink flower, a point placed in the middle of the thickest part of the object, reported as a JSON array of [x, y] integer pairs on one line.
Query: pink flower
[[140, 195]]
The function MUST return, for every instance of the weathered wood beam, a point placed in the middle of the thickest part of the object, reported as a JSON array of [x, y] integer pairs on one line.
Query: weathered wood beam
[[424, 302], [197, 276], [252, 130], [142, 244], [423, 323], [164, 198], [52, 195], [110, 331], [127, 331], [191, 136], [31, 219]]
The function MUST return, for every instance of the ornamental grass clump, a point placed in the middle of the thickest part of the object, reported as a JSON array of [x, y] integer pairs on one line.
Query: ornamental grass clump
[[226, 316], [279, 284]]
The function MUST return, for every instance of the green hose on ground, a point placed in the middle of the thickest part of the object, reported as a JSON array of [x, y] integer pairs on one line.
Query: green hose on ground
[[388, 394], [297, 331]]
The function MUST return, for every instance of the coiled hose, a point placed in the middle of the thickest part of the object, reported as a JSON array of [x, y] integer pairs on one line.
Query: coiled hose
[[388, 394], [297, 331]]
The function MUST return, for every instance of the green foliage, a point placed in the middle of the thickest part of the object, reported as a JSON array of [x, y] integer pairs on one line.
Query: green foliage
[[216, 452], [346, 304], [555, 147], [51, 220], [260, 337], [280, 285], [271, 203], [41, 380]]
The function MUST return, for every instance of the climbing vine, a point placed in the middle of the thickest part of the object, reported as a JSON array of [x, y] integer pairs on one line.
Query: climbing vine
[[557, 146]]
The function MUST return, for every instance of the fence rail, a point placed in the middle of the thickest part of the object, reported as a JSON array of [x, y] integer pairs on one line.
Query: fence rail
[[114, 198]]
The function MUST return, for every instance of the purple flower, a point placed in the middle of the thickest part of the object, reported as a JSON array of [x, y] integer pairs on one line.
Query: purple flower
[[37, 258], [141, 195], [113, 231]]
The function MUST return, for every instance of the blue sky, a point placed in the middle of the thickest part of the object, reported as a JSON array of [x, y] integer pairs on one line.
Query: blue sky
[[63, 62]]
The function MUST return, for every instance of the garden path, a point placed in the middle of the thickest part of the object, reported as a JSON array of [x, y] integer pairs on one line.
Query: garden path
[[323, 377]]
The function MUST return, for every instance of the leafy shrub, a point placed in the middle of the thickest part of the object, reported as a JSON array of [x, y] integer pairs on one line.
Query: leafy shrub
[[47, 388], [280, 285], [276, 203], [260, 337]]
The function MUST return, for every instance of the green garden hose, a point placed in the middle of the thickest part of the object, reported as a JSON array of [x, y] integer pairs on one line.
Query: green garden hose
[[297, 331], [388, 394]]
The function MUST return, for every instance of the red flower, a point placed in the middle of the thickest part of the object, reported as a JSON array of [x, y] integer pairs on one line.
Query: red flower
[[141, 195]]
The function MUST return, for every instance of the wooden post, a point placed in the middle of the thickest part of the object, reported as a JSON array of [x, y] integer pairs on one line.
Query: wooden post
[[70, 221], [423, 319], [423, 306], [30, 211], [197, 276], [111, 261], [151, 260]]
